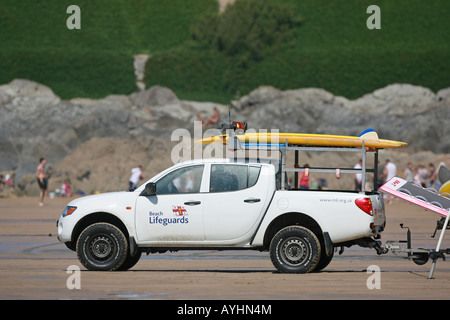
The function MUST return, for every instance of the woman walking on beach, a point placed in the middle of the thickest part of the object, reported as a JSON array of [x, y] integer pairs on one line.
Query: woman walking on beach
[[42, 180]]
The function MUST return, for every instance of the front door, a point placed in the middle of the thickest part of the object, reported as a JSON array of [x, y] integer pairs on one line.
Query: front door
[[175, 213]]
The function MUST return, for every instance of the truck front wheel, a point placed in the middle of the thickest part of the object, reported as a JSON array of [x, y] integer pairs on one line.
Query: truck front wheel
[[102, 246], [295, 249]]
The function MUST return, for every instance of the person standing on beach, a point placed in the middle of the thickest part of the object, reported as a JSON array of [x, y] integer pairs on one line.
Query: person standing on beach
[[390, 171], [303, 183], [358, 176], [42, 180], [136, 175], [408, 174]]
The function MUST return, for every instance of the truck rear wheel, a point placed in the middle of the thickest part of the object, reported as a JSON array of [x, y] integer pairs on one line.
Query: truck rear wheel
[[295, 249], [102, 246], [324, 260]]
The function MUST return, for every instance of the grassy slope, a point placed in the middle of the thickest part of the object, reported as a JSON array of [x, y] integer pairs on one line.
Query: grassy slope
[[333, 48], [96, 60], [336, 51]]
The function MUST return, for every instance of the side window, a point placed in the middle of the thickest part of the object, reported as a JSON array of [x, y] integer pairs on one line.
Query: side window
[[183, 180], [253, 175], [229, 177]]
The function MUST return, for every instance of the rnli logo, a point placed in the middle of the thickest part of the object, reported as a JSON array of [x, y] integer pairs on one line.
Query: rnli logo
[[179, 210], [395, 183]]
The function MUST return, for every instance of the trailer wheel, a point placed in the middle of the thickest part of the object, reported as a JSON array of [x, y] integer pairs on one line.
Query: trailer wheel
[[295, 249], [102, 246], [421, 258]]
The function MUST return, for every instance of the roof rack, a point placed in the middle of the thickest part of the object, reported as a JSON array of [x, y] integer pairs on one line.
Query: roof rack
[[235, 144]]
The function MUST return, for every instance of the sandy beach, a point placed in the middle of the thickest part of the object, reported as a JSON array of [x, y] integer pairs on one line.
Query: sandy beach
[[33, 265]]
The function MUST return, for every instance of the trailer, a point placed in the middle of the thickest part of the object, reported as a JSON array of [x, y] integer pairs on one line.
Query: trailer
[[428, 199]]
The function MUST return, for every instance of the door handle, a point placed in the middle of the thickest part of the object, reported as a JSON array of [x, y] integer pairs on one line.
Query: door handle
[[252, 200], [192, 203]]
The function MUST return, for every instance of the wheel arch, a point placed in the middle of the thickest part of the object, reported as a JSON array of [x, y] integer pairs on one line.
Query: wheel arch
[[97, 217], [291, 219]]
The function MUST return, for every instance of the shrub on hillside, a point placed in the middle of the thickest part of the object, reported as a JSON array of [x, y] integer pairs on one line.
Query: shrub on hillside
[[247, 27]]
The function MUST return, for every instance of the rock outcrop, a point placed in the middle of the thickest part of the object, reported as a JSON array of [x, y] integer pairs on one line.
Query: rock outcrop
[[400, 112], [35, 122]]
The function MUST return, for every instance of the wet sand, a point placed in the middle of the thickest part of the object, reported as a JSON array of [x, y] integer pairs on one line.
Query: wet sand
[[33, 265]]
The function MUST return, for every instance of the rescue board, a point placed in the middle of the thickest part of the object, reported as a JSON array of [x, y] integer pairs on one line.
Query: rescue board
[[369, 137], [443, 173], [417, 195]]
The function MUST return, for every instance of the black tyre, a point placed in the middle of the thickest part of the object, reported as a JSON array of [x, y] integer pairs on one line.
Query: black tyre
[[324, 260], [421, 258], [102, 247], [295, 249], [130, 261]]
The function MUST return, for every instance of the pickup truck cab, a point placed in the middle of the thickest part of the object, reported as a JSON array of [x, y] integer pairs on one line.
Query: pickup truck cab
[[220, 204]]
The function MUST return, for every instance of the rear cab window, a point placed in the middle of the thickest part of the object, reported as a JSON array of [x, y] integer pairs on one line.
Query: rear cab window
[[233, 177]]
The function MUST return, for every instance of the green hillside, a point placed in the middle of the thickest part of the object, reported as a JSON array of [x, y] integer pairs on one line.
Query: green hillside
[[96, 60], [330, 47]]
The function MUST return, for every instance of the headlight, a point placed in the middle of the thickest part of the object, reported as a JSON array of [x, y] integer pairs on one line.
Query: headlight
[[68, 211]]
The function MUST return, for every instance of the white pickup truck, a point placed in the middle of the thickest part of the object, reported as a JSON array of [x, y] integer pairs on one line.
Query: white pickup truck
[[221, 204]]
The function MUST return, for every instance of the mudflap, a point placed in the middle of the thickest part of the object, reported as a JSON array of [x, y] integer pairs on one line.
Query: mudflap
[[329, 247]]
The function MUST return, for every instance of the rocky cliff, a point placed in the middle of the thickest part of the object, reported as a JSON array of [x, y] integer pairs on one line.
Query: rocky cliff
[[34, 123], [398, 112]]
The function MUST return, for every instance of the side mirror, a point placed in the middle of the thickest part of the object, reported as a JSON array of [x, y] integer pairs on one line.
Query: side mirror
[[149, 190]]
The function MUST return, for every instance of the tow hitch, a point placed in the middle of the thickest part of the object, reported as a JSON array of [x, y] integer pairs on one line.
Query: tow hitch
[[370, 243], [419, 256]]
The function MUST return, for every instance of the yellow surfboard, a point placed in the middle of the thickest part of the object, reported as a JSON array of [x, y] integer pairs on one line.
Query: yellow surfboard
[[370, 140]]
